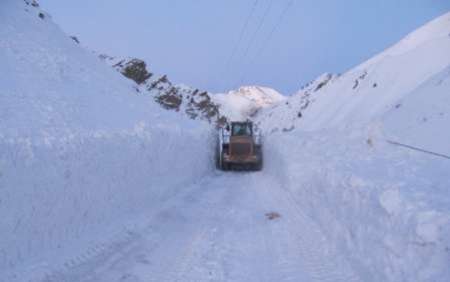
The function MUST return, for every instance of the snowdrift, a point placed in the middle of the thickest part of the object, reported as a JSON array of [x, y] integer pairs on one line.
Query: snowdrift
[[81, 152]]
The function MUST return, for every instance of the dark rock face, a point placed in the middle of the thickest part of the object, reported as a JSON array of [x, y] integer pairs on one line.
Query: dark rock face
[[201, 104], [170, 100], [74, 38], [33, 3], [136, 70]]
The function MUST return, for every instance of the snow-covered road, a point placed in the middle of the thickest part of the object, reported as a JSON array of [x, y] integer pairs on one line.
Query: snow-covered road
[[219, 230]]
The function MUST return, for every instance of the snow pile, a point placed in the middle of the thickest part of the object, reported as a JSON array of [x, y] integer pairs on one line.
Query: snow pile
[[368, 156], [80, 151], [247, 101]]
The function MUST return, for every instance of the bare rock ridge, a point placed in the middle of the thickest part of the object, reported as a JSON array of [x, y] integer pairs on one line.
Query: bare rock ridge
[[35, 8], [194, 103], [216, 109]]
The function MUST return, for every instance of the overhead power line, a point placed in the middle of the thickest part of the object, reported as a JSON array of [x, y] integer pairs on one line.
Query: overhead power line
[[241, 34], [266, 41], [418, 149], [260, 24]]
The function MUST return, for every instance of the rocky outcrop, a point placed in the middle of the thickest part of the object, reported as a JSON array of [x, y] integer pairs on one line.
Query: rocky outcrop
[[194, 103], [135, 70]]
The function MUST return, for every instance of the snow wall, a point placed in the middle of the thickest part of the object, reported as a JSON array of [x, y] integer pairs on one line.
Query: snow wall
[[82, 153], [386, 208], [55, 194]]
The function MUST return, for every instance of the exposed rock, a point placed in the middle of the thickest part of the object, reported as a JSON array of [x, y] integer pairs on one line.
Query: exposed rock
[[170, 100], [74, 38], [360, 78], [136, 70], [33, 3], [192, 102], [272, 215]]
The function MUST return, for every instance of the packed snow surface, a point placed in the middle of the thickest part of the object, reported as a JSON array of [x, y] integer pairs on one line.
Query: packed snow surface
[[98, 183]]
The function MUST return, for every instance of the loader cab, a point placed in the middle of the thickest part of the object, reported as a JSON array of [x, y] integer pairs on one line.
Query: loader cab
[[241, 129]]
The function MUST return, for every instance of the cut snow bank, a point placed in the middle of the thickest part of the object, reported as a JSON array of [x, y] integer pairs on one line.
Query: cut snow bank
[[73, 190], [387, 209], [80, 151]]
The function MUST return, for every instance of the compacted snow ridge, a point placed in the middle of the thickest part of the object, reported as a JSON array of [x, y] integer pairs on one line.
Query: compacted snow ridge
[[100, 183]]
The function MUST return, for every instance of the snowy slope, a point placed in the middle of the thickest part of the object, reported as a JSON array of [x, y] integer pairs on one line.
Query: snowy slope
[[367, 91], [80, 152], [421, 118]]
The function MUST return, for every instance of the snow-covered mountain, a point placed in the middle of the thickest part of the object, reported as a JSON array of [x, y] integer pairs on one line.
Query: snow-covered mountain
[[194, 103], [238, 104], [247, 101]]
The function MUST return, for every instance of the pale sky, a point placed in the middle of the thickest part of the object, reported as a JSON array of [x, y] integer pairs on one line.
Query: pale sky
[[286, 43]]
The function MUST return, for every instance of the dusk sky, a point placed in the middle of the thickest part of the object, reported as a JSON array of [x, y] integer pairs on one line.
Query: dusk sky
[[203, 43]]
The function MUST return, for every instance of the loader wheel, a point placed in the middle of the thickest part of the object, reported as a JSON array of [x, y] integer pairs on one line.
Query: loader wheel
[[219, 157], [223, 164], [218, 160], [259, 165]]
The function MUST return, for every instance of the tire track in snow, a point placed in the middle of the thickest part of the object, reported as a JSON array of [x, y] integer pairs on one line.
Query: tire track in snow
[[319, 256], [288, 260], [217, 231], [199, 259], [103, 264]]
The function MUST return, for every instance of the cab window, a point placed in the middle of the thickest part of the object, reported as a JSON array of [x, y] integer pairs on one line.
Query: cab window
[[241, 129]]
